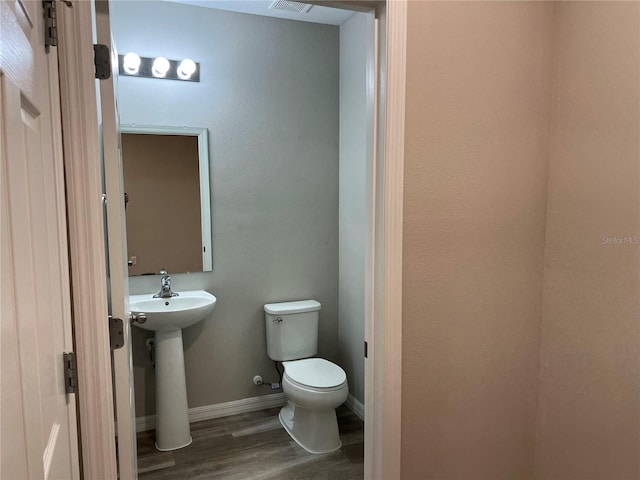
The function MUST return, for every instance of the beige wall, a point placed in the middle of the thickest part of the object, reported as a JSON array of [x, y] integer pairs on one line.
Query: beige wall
[[478, 84], [588, 421], [520, 354], [162, 181]]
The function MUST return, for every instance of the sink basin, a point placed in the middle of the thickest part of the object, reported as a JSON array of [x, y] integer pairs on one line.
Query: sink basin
[[166, 317], [172, 313]]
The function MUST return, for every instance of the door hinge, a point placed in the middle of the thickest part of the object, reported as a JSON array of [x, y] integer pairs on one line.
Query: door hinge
[[50, 24], [102, 61], [116, 333], [366, 349], [70, 372]]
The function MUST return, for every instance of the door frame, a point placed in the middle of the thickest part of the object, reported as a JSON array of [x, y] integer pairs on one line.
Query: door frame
[[383, 374], [87, 253], [81, 144]]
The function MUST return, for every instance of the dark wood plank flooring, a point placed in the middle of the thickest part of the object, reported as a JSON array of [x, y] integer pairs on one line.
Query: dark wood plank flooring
[[253, 446]]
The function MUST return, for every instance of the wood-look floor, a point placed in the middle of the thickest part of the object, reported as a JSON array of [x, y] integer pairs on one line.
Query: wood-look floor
[[253, 446]]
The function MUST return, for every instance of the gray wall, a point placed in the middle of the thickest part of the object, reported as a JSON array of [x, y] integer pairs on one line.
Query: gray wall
[[353, 232], [269, 97]]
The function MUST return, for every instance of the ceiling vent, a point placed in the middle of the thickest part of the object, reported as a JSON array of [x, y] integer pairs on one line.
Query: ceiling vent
[[297, 7]]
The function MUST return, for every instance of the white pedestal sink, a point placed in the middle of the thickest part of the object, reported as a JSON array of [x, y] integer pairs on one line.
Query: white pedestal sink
[[167, 317]]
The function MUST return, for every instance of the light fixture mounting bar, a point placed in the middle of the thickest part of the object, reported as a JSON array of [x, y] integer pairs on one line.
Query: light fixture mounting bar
[[146, 70]]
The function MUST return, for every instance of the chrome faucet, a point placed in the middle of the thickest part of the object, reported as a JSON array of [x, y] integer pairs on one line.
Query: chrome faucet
[[165, 288]]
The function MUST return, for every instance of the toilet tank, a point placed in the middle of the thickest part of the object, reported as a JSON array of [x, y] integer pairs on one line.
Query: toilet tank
[[292, 329]]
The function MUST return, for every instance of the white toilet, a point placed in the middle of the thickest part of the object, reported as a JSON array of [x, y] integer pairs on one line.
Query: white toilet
[[314, 387]]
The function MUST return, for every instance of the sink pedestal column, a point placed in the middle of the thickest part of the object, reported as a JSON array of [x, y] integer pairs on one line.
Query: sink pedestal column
[[172, 410]]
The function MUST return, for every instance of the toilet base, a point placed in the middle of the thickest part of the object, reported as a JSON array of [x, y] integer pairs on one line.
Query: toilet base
[[314, 430]]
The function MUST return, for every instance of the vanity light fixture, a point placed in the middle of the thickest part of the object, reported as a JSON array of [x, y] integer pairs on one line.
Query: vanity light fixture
[[131, 64], [186, 68], [160, 67]]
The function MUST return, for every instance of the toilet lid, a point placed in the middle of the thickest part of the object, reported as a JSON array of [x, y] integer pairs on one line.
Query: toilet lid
[[315, 372]]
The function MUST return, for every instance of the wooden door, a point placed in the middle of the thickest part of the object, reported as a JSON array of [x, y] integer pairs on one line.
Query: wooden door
[[38, 419], [117, 254]]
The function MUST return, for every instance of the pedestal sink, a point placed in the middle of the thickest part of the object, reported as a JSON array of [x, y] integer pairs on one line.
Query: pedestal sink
[[167, 317]]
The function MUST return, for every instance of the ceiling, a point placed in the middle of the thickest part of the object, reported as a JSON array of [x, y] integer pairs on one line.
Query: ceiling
[[317, 14]]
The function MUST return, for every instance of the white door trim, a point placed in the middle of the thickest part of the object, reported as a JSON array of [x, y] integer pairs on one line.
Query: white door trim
[[122, 358], [371, 290], [382, 459], [383, 403], [86, 240]]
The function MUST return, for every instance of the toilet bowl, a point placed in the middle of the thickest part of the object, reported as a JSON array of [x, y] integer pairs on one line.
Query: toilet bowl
[[314, 388]]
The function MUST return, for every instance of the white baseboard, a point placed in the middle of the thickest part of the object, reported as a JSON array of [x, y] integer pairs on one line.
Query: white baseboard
[[356, 406], [218, 410]]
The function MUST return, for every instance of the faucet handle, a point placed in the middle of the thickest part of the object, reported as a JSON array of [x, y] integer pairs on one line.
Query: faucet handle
[[163, 271]]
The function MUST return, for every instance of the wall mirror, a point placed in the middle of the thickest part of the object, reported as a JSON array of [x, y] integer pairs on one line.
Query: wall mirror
[[167, 199]]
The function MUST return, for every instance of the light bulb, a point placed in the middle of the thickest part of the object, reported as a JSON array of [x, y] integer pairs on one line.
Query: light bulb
[[160, 67], [186, 68], [131, 63]]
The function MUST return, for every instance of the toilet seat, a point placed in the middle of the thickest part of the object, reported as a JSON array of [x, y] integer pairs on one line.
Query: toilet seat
[[315, 373]]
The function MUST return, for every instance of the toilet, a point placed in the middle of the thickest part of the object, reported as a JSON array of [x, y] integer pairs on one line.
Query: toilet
[[314, 387]]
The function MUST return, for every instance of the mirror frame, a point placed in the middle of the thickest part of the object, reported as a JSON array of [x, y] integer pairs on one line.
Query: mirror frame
[[205, 180]]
